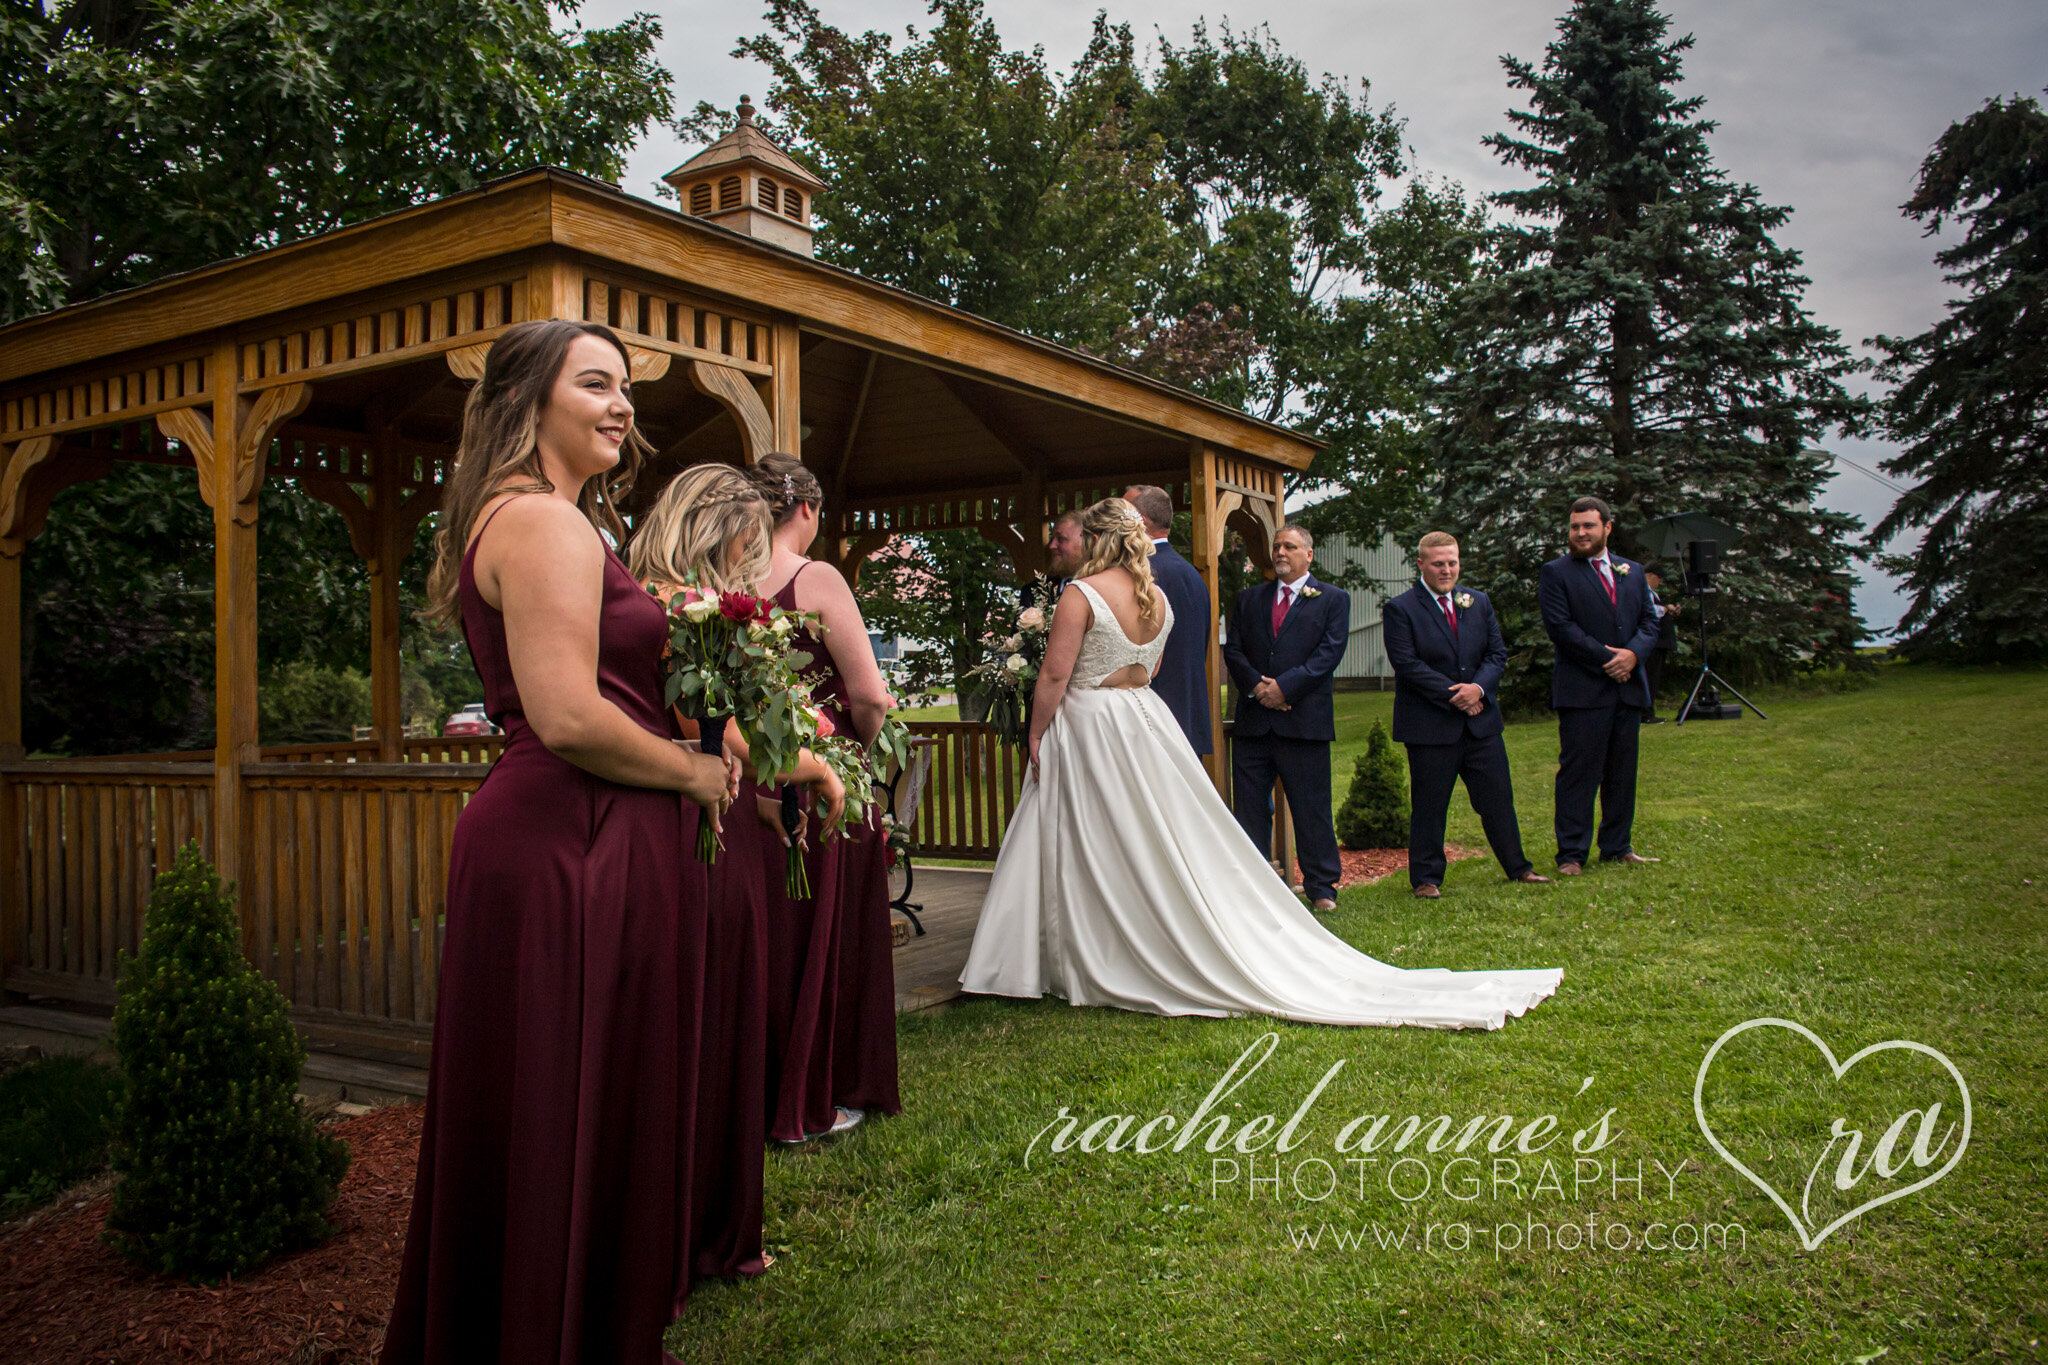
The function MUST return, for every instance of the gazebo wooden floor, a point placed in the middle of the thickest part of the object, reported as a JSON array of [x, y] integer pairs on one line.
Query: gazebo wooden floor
[[928, 968]]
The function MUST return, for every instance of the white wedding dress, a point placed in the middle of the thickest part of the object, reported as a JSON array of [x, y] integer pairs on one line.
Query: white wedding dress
[[1124, 881]]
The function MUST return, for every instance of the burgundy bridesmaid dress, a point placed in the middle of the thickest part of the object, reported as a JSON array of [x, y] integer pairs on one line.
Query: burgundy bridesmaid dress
[[831, 972], [569, 1133]]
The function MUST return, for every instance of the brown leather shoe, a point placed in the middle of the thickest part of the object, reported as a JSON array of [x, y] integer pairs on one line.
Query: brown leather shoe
[[1534, 878], [1569, 869], [1631, 857], [1427, 891], [1324, 904]]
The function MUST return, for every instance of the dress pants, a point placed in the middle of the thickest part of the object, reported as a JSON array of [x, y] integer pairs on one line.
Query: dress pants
[[1302, 768], [1653, 672], [1596, 753], [1433, 770]]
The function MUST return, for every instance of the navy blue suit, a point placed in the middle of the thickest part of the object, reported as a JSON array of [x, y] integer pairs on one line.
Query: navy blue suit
[[1183, 678], [1599, 720], [1429, 655], [1291, 747]]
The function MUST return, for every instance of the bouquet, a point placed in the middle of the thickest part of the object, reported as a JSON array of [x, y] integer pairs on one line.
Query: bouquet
[[1010, 675], [729, 657], [861, 769]]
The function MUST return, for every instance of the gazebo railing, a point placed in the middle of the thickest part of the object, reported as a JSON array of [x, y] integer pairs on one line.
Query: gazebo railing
[[973, 787], [345, 902], [343, 886], [92, 837]]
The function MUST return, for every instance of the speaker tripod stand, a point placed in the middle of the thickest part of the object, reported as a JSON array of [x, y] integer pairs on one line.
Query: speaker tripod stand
[[1707, 675]]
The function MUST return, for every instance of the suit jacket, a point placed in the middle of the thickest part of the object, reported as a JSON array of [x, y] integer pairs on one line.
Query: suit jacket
[[1428, 658], [1583, 623], [1183, 678], [1303, 659]]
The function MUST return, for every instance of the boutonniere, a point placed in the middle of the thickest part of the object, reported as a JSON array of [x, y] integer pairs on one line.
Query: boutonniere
[[1621, 569], [1311, 592], [1464, 600]]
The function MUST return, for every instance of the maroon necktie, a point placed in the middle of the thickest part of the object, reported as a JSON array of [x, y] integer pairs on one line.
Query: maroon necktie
[[1449, 615], [1606, 581], [1280, 602]]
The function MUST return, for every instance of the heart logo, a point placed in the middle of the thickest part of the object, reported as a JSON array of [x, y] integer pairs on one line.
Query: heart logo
[[1812, 1240]]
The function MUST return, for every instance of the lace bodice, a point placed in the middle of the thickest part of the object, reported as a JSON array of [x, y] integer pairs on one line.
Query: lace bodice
[[1105, 648]]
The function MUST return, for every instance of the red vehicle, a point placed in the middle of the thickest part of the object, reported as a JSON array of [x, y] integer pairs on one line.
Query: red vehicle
[[468, 723]]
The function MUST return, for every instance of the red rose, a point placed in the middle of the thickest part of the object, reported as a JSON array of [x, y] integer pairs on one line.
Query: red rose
[[737, 607], [892, 859], [825, 730]]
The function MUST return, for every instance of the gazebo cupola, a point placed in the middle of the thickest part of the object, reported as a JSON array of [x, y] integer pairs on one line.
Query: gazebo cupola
[[745, 182]]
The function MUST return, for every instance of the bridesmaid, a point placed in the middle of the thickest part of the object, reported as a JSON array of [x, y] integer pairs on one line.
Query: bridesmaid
[[831, 975], [551, 1218], [711, 526]]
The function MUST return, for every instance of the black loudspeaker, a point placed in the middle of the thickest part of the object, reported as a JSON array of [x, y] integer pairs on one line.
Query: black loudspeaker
[[1702, 558]]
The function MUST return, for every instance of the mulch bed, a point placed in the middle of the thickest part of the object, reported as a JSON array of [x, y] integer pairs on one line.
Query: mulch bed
[[66, 1298], [1371, 864]]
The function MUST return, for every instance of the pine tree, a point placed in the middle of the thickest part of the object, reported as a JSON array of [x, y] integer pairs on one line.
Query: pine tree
[[1639, 336], [1375, 810], [1971, 404], [219, 1170]]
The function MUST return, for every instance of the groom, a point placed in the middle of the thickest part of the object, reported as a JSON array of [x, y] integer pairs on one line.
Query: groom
[[1183, 678], [1286, 639]]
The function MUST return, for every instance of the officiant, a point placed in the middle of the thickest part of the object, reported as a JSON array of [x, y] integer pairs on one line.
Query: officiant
[[1287, 637]]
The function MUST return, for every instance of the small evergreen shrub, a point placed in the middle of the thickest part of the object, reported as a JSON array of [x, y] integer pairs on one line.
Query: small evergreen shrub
[[1375, 810], [219, 1169]]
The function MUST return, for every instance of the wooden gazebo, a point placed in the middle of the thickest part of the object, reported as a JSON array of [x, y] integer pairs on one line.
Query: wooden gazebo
[[342, 361]]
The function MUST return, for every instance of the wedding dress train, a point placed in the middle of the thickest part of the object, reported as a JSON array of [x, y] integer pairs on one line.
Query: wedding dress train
[[1123, 881]]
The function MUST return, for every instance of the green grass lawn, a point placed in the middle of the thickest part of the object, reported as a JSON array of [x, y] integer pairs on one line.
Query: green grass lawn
[[1870, 865]]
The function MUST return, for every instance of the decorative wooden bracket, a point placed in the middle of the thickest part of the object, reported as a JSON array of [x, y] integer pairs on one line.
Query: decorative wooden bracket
[[467, 362], [31, 476], [731, 390], [193, 429]]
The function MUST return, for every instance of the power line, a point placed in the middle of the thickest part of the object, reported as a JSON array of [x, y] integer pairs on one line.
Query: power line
[[1869, 473]]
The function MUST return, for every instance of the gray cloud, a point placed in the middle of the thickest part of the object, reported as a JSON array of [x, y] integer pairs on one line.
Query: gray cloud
[[1827, 106]]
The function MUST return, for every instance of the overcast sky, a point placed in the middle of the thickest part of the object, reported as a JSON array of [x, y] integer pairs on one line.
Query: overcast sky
[[1827, 106]]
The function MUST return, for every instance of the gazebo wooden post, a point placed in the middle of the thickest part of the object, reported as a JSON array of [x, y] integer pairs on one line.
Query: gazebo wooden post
[[229, 452], [13, 900], [387, 557], [1208, 547], [786, 391]]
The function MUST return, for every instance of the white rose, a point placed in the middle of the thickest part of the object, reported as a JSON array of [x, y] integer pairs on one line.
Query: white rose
[[1017, 663], [700, 611], [1013, 644], [1031, 618], [784, 626]]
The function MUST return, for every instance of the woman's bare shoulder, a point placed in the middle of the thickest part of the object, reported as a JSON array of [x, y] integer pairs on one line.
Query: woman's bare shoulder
[[535, 524]]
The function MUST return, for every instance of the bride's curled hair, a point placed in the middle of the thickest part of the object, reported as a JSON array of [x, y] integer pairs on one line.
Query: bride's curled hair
[[1116, 539], [691, 527]]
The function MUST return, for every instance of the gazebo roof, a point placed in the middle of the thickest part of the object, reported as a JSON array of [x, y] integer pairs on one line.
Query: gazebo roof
[[507, 228]]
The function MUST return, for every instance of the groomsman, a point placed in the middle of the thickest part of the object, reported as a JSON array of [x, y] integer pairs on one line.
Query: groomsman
[[1448, 656], [1596, 607], [1286, 639], [1183, 678]]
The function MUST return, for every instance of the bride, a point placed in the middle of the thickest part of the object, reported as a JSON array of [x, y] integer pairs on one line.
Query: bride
[[1123, 879]]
